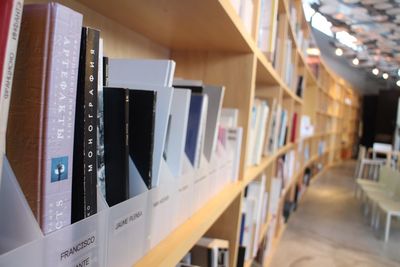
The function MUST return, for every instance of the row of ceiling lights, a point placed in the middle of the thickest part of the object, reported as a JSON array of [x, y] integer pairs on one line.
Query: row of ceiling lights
[[375, 71]]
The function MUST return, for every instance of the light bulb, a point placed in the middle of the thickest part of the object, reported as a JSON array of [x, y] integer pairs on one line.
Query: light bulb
[[356, 61], [339, 52], [375, 71], [385, 76], [398, 83]]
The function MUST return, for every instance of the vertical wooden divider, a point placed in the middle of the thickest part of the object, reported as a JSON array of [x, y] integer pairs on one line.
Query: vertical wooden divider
[[237, 72], [228, 227]]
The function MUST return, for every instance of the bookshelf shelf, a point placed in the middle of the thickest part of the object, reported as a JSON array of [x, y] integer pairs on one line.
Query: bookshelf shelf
[[253, 172], [263, 232], [180, 24], [180, 239], [266, 74]]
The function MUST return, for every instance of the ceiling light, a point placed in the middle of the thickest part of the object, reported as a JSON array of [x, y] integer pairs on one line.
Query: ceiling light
[[385, 76], [398, 83], [375, 71], [339, 52], [356, 61]]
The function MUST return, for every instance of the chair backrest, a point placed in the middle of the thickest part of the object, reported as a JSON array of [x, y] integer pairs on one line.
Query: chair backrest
[[384, 175], [390, 179], [362, 152], [369, 169], [382, 149], [361, 155], [396, 177]]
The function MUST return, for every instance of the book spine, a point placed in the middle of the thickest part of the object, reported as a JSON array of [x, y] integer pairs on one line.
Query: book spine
[[6, 8], [142, 109], [59, 117], [115, 145], [84, 195], [202, 130], [90, 142], [106, 68], [126, 142], [101, 182], [8, 67]]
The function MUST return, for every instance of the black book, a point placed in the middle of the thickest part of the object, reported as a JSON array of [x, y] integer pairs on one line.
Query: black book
[[142, 106], [105, 71], [241, 256], [84, 175], [300, 86], [116, 147]]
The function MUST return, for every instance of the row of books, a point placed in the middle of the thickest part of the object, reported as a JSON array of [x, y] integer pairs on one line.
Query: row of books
[[80, 122], [277, 47], [302, 42], [321, 147], [268, 27], [284, 58], [207, 252], [254, 216], [269, 129], [259, 204]]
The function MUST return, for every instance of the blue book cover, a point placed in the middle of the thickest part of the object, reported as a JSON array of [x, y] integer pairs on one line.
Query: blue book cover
[[193, 133]]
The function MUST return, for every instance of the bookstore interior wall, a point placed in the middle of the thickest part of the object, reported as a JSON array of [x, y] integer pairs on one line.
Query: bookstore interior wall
[[259, 120]]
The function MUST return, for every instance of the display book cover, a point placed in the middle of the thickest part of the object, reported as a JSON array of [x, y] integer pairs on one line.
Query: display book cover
[[84, 172], [129, 118], [116, 146], [142, 107], [42, 113], [195, 129], [215, 98]]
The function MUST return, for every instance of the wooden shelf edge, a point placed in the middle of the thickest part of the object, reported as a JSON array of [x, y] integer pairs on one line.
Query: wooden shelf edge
[[172, 249], [253, 172]]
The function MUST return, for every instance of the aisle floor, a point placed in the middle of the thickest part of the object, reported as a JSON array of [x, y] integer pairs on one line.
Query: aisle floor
[[329, 230]]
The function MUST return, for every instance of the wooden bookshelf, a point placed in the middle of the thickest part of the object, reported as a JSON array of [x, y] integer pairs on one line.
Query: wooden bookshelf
[[179, 242], [208, 41]]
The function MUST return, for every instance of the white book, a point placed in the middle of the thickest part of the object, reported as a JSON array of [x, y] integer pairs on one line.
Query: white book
[[202, 130], [255, 123], [256, 189], [267, 26], [268, 129], [274, 27], [139, 72], [248, 226], [264, 208], [246, 13], [276, 129], [236, 5], [275, 192], [260, 137], [229, 117], [8, 71], [283, 129], [235, 136], [174, 149], [215, 98]]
